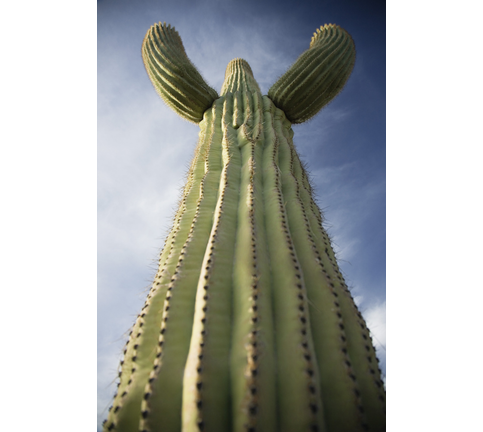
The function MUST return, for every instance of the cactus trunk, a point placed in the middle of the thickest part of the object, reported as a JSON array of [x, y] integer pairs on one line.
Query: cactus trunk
[[249, 325]]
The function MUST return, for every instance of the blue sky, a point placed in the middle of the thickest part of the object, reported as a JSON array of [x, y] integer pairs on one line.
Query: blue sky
[[144, 148]]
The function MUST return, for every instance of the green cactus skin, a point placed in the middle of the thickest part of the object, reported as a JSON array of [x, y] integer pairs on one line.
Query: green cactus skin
[[249, 325]]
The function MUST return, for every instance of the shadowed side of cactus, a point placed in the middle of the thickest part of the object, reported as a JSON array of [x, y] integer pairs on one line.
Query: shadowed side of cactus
[[249, 325]]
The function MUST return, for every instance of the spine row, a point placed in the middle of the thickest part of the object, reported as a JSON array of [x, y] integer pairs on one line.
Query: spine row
[[206, 385], [299, 404]]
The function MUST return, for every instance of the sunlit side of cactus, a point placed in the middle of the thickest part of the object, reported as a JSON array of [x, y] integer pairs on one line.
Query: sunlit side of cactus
[[249, 325]]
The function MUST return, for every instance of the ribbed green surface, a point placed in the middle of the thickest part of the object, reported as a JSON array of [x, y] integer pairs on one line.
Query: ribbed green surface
[[317, 76], [249, 326], [174, 77]]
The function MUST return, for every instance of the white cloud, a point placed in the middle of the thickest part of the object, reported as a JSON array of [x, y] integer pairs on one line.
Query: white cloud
[[358, 299], [375, 316], [376, 320]]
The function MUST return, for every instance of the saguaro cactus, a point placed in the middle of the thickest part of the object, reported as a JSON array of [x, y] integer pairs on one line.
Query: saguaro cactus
[[249, 325]]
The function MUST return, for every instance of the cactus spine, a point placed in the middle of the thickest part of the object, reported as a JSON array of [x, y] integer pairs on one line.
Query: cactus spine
[[249, 325]]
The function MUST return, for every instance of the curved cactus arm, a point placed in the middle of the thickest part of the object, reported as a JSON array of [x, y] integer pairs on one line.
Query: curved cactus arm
[[173, 75], [317, 76]]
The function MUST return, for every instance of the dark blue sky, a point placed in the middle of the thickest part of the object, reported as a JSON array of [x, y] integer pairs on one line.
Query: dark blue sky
[[144, 148]]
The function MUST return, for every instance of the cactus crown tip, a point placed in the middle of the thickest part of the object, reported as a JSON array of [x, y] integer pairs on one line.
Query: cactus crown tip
[[238, 63], [163, 25]]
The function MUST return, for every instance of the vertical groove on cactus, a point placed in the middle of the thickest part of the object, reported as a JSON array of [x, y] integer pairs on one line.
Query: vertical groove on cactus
[[249, 325]]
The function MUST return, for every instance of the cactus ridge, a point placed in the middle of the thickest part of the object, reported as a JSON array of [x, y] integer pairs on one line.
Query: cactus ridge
[[249, 325]]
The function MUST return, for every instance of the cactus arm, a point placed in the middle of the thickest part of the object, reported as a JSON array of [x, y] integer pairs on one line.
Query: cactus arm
[[317, 76], [174, 77]]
